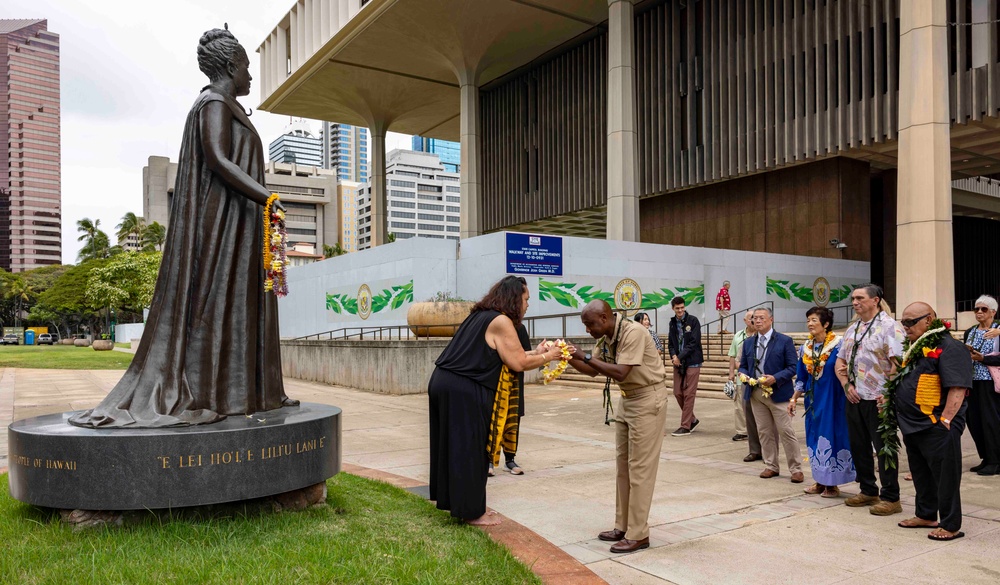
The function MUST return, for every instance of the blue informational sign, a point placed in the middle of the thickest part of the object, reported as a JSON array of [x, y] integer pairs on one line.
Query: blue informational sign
[[538, 255]]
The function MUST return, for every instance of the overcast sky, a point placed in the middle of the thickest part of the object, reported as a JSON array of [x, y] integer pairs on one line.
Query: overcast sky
[[129, 76]]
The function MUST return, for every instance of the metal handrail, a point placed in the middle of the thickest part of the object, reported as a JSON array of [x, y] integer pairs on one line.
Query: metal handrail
[[732, 315], [377, 333]]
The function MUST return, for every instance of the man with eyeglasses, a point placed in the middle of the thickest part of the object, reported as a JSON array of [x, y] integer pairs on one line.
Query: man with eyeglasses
[[930, 405], [871, 347]]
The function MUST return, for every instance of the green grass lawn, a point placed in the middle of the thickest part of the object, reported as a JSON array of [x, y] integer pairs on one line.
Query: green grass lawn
[[62, 357], [369, 532]]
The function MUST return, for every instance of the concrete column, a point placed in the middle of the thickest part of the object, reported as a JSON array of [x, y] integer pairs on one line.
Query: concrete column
[[623, 184], [471, 223], [925, 269], [376, 175]]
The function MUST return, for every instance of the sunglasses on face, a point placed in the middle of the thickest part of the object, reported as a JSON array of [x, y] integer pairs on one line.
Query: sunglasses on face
[[982, 309], [912, 322]]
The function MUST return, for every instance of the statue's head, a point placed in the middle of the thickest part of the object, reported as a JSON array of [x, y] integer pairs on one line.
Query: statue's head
[[221, 57]]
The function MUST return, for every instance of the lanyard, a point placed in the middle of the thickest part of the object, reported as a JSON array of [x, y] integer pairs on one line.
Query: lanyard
[[852, 376]]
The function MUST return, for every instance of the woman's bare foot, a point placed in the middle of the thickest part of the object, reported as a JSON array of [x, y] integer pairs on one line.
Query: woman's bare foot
[[487, 519]]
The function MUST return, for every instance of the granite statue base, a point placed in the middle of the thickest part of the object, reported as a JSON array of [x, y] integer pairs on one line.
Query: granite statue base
[[57, 465]]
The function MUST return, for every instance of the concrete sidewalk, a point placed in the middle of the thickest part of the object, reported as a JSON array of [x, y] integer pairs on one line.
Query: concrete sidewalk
[[714, 521]]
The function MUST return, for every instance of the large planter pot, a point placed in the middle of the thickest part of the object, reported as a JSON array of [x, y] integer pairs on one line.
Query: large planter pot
[[81, 342], [103, 345], [432, 319]]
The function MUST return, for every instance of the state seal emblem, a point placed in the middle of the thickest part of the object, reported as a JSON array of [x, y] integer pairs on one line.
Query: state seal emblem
[[364, 301], [628, 296], [821, 292]]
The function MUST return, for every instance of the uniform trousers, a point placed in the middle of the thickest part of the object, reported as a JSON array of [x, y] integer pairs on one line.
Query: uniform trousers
[[638, 439]]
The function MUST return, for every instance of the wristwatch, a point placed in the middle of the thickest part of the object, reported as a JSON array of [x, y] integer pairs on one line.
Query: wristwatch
[[586, 358]]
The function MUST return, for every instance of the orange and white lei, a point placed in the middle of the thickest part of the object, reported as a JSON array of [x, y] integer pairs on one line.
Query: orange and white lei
[[549, 375], [816, 369], [275, 241]]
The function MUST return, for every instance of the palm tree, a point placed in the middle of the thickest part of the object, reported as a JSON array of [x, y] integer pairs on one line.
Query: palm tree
[[18, 289], [97, 247], [153, 236], [89, 228], [131, 224], [335, 250]]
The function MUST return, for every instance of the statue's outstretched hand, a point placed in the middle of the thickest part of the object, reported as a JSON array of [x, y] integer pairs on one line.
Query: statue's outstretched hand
[[277, 205]]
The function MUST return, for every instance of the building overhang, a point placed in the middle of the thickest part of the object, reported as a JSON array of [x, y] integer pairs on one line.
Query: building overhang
[[400, 63]]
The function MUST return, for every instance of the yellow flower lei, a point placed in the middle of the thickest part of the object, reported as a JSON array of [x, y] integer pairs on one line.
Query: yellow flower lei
[[766, 391], [274, 260], [549, 375]]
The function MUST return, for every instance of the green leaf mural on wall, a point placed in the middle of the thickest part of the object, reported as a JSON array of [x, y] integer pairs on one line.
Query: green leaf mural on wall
[[391, 298], [572, 295], [796, 291]]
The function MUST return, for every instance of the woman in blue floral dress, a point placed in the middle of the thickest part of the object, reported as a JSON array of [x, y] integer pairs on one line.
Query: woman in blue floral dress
[[827, 443]]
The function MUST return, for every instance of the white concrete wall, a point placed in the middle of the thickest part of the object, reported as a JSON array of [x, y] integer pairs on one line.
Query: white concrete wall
[[603, 263], [126, 332], [429, 264], [599, 264]]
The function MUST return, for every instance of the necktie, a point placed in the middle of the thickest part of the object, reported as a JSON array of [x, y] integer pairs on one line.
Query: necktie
[[761, 347]]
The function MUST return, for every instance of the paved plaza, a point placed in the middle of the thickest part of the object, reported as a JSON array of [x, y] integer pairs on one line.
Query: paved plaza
[[714, 521]]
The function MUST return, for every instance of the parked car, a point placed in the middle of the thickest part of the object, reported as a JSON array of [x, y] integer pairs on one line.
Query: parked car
[[44, 339], [55, 337], [11, 339]]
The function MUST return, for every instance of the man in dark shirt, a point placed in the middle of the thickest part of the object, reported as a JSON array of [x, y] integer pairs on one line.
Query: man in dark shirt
[[930, 409], [684, 344]]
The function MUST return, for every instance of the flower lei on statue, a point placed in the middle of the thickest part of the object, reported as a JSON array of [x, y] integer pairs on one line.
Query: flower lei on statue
[[815, 362], [275, 241], [550, 374], [912, 353]]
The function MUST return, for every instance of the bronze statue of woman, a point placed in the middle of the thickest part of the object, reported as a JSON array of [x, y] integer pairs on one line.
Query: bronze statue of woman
[[210, 347]]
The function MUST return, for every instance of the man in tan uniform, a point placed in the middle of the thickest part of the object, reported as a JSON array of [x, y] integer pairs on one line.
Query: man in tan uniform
[[625, 352]]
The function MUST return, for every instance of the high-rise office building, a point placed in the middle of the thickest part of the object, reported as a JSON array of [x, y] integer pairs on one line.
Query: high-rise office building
[[297, 145], [345, 150], [30, 184], [424, 199], [347, 203], [311, 214], [449, 152]]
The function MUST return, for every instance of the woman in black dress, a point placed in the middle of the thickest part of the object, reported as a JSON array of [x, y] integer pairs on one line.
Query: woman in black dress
[[462, 390]]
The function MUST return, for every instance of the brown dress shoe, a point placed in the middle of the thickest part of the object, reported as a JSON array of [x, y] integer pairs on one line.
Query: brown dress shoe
[[768, 474], [626, 546], [612, 535], [797, 477]]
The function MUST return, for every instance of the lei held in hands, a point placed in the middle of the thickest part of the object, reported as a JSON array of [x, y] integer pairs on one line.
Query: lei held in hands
[[275, 241], [766, 391], [550, 374]]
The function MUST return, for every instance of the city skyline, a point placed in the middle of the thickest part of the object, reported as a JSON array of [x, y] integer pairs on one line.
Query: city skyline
[[128, 79]]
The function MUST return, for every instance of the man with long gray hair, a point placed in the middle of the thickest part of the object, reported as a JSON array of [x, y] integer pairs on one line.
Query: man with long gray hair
[[872, 344]]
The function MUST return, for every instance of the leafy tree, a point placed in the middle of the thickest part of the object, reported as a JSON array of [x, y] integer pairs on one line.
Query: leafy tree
[[131, 224], [125, 281], [153, 237], [332, 251], [390, 238], [65, 301]]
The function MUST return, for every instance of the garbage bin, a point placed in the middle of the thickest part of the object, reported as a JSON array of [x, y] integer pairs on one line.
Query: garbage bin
[[29, 337]]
